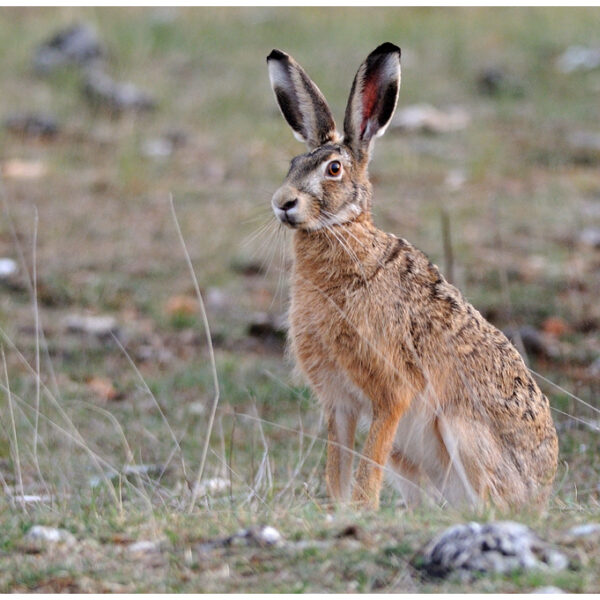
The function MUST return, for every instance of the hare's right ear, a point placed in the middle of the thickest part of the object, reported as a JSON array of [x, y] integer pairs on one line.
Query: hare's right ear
[[373, 98], [301, 101]]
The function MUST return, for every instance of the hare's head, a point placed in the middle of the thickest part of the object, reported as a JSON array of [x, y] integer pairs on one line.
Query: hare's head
[[329, 184]]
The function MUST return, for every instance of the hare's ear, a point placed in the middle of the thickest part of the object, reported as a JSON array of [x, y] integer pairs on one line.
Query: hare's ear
[[373, 98], [301, 101]]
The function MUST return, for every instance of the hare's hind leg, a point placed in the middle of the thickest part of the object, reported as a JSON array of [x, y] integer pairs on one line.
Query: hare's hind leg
[[406, 477]]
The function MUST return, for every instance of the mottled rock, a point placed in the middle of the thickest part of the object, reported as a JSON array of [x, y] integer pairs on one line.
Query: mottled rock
[[495, 81], [104, 92], [31, 125], [76, 45], [500, 547]]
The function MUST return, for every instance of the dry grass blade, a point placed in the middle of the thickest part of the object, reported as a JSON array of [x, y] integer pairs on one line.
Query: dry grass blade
[[211, 351], [15, 441]]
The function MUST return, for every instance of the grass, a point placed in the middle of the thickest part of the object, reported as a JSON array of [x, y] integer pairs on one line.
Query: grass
[[107, 244]]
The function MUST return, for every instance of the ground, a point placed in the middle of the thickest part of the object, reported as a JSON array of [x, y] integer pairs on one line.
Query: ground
[[86, 215]]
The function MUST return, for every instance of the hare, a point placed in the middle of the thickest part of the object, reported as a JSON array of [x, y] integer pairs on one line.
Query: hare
[[378, 331]]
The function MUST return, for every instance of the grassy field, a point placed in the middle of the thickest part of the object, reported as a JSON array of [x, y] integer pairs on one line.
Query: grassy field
[[110, 435]]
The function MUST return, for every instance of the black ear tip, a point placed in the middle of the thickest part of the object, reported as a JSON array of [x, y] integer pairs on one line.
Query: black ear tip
[[276, 55], [386, 48]]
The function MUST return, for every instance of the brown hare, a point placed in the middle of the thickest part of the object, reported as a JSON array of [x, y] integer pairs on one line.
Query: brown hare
[[378, 331]]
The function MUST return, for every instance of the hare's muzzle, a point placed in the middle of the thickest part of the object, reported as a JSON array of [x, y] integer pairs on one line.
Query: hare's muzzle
[[285, 205]]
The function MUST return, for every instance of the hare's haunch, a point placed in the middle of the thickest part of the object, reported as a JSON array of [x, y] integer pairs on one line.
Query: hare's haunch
[[377, 330]]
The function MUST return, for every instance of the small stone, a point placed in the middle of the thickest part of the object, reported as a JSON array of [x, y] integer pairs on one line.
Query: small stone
[[549, 589], [585, 530], [428, 119], [269, 535], [8, 267], [100, 326], [143, 547], [594, 368], [103, 92], [218, 300], [585, 140], [494, 81], [455, 179], [578, 58], [590, 236], [76, 45], [216, 485], [158, 148], [31, 125], [41, 534]]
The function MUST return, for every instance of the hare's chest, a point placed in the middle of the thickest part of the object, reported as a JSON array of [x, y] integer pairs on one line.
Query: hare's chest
[[331, 330]]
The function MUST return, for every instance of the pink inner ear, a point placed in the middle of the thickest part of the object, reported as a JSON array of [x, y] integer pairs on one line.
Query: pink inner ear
[[369, 100]]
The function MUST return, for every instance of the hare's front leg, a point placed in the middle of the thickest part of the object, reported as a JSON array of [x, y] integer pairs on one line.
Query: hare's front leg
[[375, 454], [341, 425]]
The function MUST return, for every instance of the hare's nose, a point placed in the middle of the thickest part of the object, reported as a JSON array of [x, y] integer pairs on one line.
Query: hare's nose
[[289, 204]]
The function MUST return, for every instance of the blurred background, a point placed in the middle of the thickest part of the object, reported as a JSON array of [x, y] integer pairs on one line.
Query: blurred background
[[491, 166]]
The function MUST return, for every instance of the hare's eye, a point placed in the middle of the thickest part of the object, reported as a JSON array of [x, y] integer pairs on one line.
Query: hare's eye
[[334, 168]]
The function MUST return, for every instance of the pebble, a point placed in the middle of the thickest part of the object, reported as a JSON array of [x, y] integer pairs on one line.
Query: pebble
[[41, 534], [76, 45], [585, 530], [104, 92], [143, 547], [428, 119], [100, 326], [549, 589], [8, 267], [31, 125], [578, 58]]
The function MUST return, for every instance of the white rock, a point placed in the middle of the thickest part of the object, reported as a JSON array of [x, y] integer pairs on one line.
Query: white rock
[[212, 486], [50, 535], [590, 236], [578, 58], [157, 148], [143, 547], [269, 535], [99, 326], [584, 140], [8, 267], [549, 589], [584, 530], [490, 547], [427, 118]]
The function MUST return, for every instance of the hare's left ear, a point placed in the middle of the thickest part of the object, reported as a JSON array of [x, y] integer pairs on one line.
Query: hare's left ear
[[373, 98]]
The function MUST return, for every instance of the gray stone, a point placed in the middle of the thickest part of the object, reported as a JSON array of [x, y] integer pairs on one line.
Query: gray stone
[[499, 547], [578, 58], [104, 92], [77, 45]]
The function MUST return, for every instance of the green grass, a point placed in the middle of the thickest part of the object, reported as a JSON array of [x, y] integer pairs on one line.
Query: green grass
[[106, 243]]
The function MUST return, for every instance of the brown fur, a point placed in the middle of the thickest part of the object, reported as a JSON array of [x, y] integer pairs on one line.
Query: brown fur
[[376, 329]]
